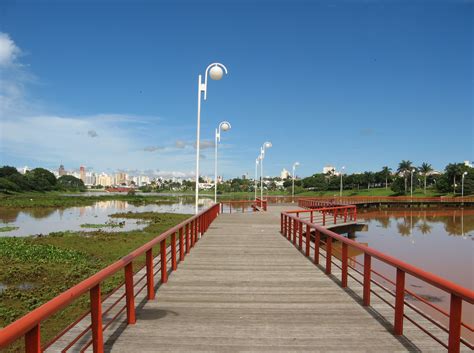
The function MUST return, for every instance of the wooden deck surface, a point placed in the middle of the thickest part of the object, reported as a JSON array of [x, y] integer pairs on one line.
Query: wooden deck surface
[[245, 288]]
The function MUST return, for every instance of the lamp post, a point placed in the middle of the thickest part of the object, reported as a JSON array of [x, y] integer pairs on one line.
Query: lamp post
[[256, 175], [342, 172], [462, 183], [296, 164], [224, 126], [215, 71], [411, 182], [262, 156]]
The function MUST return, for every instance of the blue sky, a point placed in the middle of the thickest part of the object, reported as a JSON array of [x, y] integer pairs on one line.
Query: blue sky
[[112, 84]]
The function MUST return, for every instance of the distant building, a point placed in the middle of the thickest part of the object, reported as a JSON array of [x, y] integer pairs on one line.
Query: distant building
[[329, 169], [61, 171], [468, 164], [23, 170], [121, 178], [284, 174], [82, 174]]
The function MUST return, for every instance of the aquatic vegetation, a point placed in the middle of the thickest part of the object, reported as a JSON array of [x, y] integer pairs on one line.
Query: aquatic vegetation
[[8, 228]]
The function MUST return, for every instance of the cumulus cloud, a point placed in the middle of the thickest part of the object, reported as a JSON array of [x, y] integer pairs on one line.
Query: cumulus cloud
[[180, 144], [92, 133], [153, 148], [9, 51]]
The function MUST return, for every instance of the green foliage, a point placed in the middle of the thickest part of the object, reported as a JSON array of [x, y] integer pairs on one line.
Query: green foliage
[[7, 186], [8, 228], [398, 186], [26, 250], [70, 183]]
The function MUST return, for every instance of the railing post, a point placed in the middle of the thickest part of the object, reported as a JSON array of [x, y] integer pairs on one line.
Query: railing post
[[328, 254], [196, 230], [150, 280], [193, 229], [335, 216], [455, 314], [344, 265], [317, 243], [345, 215], [33, 340], [181, 245], [295, 226], [96, 320], [187, 239], [324, 218], [355, 213], [164, 272], [308, 239], [173, 252], [311, 217], [399, 302], [129, 295], [288, 224], [367, 272], [300, 240], [281, 223]]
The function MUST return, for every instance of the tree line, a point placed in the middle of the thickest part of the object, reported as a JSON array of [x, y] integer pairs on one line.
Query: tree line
[[38, 179]]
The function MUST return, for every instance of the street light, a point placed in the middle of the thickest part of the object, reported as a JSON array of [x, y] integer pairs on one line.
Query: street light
[[215, 71], [293, 182], [256, 175], [224, 126], [262, 156], [342, 172], [411, 183], [462, 183]]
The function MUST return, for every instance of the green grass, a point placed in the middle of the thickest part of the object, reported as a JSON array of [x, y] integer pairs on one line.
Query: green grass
[[8, 228], [52, 264], [55, 199], [102, 225]]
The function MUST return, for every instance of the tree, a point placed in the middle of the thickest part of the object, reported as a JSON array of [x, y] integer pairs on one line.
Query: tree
[[425, 169], [385, 173], [454, 171], [7, 170], [70, 183], [397, 186], [41, 179], [404, 168], [369, 178]]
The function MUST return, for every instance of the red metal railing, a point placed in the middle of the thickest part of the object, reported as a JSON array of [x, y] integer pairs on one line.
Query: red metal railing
[[243, 206], [187, 231], [387, 199], [261, 203], [328, 215], [300, 232]]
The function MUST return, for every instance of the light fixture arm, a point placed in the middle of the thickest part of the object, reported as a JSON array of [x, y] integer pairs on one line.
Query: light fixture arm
[[203, 86]]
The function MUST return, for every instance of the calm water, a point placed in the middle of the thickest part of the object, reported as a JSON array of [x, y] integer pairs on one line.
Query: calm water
[[34, 221], [440, 241]]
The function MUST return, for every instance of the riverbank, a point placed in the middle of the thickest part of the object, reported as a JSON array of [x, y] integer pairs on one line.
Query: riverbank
[[33, 270]]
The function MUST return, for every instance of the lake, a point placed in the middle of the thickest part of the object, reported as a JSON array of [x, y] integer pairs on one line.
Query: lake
[[45, 220]]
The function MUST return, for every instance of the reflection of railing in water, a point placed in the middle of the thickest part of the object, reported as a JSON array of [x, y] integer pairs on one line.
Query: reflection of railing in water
[[187, 233], [300, 232]]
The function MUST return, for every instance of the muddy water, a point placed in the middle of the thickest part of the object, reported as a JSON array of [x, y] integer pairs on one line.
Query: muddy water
[[35, 221], [440, 241]]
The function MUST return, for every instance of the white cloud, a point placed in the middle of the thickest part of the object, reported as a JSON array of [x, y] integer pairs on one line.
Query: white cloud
[[8, 50]]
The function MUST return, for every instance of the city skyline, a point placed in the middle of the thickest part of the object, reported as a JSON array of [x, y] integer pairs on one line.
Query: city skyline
[[356, 79]]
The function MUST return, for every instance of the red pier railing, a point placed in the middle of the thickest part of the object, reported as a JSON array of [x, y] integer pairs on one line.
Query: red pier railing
[[186, 234], [308, 236], [326, 216]]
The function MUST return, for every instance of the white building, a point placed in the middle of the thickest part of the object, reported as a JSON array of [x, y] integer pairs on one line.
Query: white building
[[284, 174]]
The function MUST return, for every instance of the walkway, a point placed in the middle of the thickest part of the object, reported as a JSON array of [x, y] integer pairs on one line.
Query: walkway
[[245, 288]]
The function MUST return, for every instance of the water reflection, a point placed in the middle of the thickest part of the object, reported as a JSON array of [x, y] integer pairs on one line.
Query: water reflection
[[436, 240], [33, 221]]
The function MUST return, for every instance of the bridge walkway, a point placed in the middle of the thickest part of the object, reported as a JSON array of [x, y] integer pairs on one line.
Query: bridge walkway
[[245, 288]]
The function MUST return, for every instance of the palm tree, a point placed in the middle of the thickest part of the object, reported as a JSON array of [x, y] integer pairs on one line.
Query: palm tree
[[405, 167], [425, 169], [386, 173]]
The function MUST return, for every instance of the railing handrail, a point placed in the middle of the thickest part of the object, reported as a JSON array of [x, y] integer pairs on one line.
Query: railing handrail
[[24, 324], [435, 280], [329, 208]]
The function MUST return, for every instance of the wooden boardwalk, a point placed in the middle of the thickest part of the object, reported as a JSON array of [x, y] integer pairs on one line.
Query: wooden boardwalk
[[245, 288]]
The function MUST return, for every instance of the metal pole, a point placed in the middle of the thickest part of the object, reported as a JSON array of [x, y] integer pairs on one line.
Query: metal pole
[[215, 169], [256, 176], [340, 191], [293, 186], [197, 142], [261, 178], [462, 186], [411, 185]]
